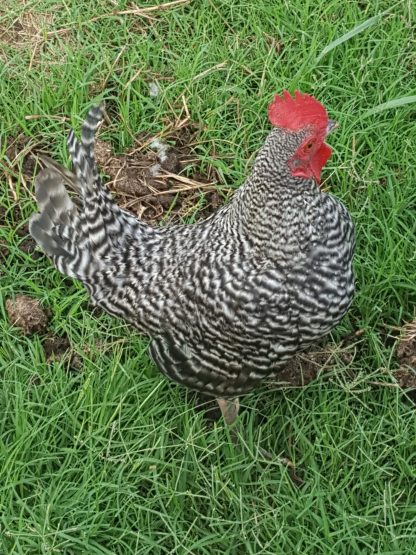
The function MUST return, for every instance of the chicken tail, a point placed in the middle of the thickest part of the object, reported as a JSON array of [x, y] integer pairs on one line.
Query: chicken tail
[[106, 224], [99, 221], [74, 231], [57, 227], [80, 233]]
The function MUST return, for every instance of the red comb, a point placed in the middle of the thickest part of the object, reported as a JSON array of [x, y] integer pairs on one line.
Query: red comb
[[296, 112]]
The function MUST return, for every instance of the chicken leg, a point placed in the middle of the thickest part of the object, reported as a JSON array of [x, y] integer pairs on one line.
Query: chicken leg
[[229, 409]]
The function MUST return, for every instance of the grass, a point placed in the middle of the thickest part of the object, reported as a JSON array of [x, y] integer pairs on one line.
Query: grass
[[113, 459]]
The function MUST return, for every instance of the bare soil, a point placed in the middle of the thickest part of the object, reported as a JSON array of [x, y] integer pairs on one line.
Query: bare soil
[[21, 147], [25, 242], [27, 314], [27, 30], [163, 183], [406, 355], [33, 33], [58, 348], [305, 366]]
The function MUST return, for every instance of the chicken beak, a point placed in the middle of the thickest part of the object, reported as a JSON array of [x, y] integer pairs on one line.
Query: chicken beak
[[332, 124]]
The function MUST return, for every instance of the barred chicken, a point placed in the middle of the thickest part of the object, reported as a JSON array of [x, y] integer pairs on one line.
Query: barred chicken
[[227, 301]]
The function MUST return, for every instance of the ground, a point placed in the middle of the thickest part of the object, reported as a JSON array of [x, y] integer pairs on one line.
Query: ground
[[99, 453]]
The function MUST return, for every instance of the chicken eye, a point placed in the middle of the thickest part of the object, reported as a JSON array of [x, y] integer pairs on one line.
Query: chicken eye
[[309, 145]]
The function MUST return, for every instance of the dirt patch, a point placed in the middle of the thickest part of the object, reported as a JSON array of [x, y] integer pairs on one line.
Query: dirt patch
[[19, 165], [28, 30], [27, 314], [405, 376], [55, 347], [19, 151], [27, 244], [161, 179], [32, 34], [58, 348], [302, 369], [305, 367], [11, 218], [4, 252], [406, 348], [103, 152]]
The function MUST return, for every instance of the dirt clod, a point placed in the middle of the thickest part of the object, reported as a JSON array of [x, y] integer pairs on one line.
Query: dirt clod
[[57, 348], [406, 377], [27, 314]]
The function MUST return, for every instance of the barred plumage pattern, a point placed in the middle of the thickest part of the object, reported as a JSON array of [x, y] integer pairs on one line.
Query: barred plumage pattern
[[226, 301]]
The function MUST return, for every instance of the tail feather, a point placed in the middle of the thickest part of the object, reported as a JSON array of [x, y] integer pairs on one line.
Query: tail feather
[[80, 235], [51, 194], [57, 227], [115, 224], [67, 176]]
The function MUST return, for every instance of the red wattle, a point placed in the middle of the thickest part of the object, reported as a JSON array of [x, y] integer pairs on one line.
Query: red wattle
[[318, 161]]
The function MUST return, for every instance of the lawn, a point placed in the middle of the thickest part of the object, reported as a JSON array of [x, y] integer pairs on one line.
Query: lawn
[[100, 454]]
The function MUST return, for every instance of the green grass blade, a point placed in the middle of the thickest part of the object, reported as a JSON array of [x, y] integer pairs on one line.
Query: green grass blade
[[396, 103], [347, 36]]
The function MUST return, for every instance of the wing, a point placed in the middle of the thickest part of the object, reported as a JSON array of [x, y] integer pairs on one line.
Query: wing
[[219, 336]]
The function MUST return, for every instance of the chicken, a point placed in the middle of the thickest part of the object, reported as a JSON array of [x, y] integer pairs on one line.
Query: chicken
[[227, 301]]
